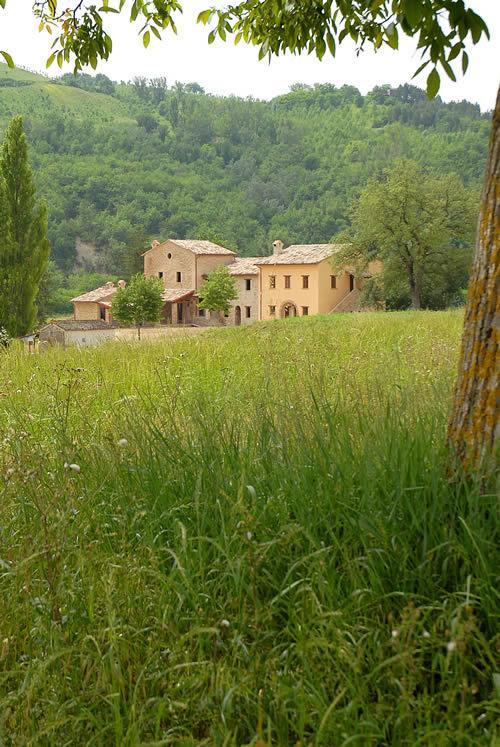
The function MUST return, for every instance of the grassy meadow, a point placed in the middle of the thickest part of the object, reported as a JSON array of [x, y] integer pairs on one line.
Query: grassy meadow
[[255, 541]]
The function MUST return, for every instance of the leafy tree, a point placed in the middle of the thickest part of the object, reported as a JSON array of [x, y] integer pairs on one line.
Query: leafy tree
[[52, 280], [414, 223], [138, 303], [218, 291], [24, 247]]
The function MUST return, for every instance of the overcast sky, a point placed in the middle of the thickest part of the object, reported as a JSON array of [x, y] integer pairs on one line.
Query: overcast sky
[[226, 69]]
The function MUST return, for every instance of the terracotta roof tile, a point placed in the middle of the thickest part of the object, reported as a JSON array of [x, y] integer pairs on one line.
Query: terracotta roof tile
[[72, 325], [301, 254], [176, 294], [103, 293], [244, 266], [197, 246]]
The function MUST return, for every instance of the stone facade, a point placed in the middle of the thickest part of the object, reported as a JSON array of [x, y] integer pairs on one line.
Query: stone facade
[[293, 281]]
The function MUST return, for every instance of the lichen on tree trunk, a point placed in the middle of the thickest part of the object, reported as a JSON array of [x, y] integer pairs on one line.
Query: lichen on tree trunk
[[473, 428]]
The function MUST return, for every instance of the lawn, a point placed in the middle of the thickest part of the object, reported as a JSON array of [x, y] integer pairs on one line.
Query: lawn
[[250, 537]]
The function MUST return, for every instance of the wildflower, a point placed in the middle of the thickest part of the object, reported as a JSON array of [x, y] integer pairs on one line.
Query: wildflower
[[122, 443], [74, 467], [426, 634], [249, 536], [451, 646], [395, 633], [225, 623]]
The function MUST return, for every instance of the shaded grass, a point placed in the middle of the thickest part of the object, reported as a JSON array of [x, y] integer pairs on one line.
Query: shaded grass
[[276, 553]]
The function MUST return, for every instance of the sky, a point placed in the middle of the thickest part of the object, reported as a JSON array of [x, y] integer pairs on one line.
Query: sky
[[222, 68]]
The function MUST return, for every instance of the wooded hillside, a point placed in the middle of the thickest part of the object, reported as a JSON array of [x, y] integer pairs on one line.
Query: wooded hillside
[[121, 163]]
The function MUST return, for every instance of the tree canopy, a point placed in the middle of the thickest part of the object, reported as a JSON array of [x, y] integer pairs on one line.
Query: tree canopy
[[442, 27], [139, 302], [218, 290], [24, 247], [420, 226]]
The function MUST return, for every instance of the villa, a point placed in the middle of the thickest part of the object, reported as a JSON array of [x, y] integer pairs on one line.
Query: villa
[[297, 280]]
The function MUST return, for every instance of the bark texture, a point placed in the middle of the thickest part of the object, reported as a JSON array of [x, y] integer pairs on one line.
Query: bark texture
[[473, 428]]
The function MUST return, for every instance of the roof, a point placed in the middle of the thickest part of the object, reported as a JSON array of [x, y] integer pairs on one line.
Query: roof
[[244, 266], [103, 293], [300, 254], [80, 325], [176, 294], [197, 246]]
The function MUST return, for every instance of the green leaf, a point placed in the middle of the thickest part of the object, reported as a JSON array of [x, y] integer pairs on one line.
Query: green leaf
[[413, 12], [204, 16], [146, 39], [331, 43], [420, 68], [433, 83], [448, 70], [8, 59], [50, 60], [391, 33], [465, 62]]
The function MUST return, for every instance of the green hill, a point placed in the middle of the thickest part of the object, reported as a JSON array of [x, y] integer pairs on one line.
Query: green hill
[[35, 95], [121, 163]]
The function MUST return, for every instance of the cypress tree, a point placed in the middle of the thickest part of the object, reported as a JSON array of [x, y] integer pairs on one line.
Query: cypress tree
[[24, 247]]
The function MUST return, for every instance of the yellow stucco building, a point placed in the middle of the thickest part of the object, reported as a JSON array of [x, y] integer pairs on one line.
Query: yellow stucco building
[[299, 281]]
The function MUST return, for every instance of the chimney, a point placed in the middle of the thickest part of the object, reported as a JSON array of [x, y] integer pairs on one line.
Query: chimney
[[122, 283], [277, 246], [154, 244]]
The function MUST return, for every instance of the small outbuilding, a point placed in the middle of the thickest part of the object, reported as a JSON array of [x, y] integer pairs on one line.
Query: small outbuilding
[[80, 332]]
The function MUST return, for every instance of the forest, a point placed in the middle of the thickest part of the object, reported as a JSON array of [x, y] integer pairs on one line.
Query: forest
[[121, 163]]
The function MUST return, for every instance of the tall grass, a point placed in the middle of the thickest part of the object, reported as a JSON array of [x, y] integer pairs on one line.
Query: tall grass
[[260, 545]]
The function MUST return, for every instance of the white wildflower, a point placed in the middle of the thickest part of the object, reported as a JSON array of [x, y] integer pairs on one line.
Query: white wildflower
[[249, 536], [123, 443], [426, 634], [74, 467], [395, 633], [451, 646], [225, 623]]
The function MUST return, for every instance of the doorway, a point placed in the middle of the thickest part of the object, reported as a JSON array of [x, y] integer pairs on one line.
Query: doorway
[[351, 283], [237, 316], [288, 309], [180, 313]]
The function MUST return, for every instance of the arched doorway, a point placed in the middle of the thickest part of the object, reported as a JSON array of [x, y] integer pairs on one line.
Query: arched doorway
[[237, 316], [288, 309]]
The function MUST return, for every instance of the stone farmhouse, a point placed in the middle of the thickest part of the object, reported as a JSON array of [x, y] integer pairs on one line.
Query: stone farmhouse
[[294, 281]]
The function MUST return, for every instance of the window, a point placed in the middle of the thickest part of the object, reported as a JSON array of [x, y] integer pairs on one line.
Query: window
[[305, 281], [305, 311], [333, 281], [102, 313], [179, 277], [248, 311], [272, 281], [287, 281], [248, 284], [272, 310], [160, 275], [201, 312], [169, 255]]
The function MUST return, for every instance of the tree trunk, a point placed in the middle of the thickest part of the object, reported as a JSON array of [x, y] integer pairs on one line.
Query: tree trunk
[[473, 426], [414, 289]]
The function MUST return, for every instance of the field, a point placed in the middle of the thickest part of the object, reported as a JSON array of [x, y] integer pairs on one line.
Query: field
[[255, 540]]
